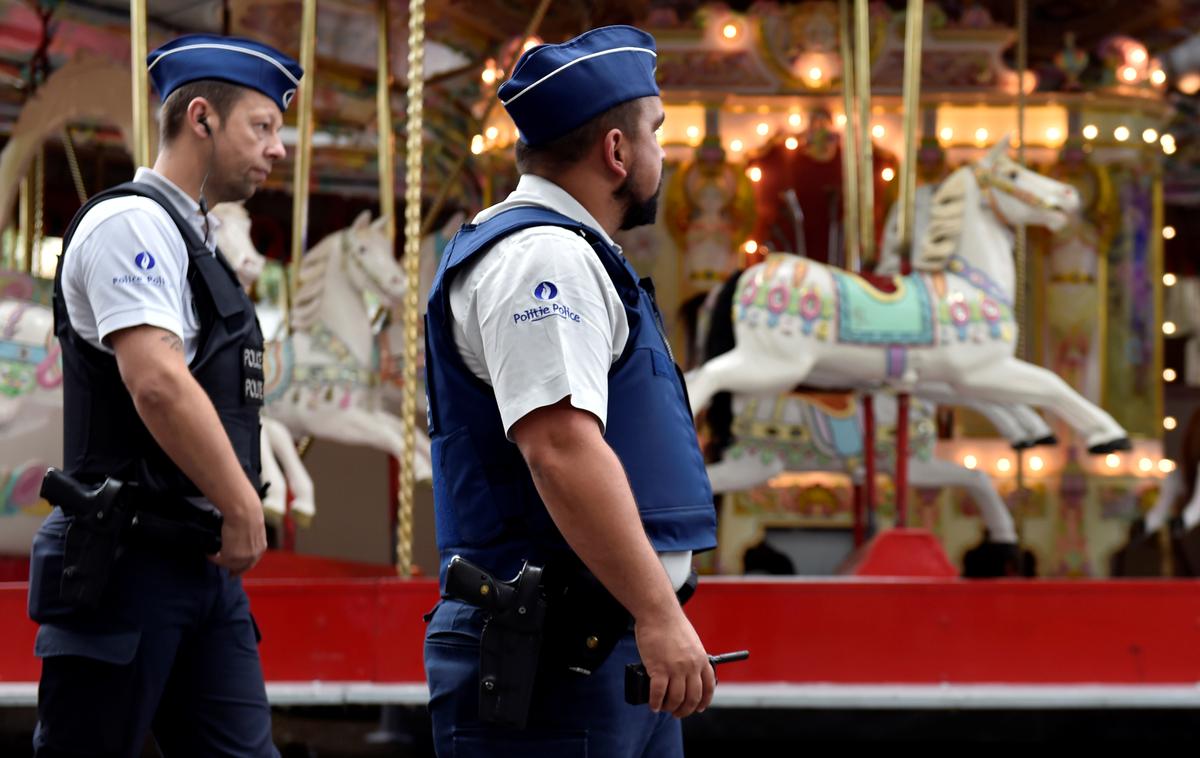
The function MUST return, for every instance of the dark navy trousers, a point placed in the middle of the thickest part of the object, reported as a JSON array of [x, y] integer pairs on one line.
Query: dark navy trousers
[[575, 717], [172, 651]]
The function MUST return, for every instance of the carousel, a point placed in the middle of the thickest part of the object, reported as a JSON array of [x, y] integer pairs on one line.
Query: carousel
[[922, 289]]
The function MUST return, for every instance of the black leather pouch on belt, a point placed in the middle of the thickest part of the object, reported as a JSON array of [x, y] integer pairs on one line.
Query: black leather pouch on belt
[[584, 621]]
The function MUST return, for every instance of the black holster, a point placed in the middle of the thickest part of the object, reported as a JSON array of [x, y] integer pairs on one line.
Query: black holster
[[511, 639], [106, 518]]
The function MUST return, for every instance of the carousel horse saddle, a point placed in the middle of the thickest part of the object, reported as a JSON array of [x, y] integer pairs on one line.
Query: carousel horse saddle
[[869, 315]]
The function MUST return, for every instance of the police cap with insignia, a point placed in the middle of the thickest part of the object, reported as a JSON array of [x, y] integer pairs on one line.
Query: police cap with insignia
[[229, 59], [557, 88]]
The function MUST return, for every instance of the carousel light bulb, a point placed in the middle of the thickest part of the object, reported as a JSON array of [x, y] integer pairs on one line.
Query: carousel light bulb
[[1091, 131], [1053, 134], [750, 247], [1003, 465], [736, 145], [946, 133], [1149, 136], [1167, 139], [492, 132], [1112, 460], [970, 461], [730, 31], [1166, 465], [1169, 148], [1138, 56], [878, 131], [840, 119], [815, 73], [1158, 77], [981, 135], [1129, 74], [791, 143], [1146, 465], [1169, 279], [1169, 375], [755, 173], [658, 134], [531, 43], [693, 132], [488, 76], [1036, 463], [1168, 232], [1169, 423], [1168, 328], [887, 174], [1121, 133], [794, 121], [763, 129], [477, 144]]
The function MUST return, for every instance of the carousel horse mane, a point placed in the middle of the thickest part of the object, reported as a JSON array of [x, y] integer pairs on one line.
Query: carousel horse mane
[[311, 288], [945, 227]]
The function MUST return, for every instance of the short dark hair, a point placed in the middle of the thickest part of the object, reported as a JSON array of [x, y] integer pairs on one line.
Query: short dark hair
[[572, 146], [222, 96]]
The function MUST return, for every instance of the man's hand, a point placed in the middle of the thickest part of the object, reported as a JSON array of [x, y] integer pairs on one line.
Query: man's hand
[[681, 678], [243, 540]]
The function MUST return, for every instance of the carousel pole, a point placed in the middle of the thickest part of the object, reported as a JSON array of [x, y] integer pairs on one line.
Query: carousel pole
[[866, 215], [300, 184], [412, 256], [1021, 243], [913, 30], [852, 252], [141, 83]]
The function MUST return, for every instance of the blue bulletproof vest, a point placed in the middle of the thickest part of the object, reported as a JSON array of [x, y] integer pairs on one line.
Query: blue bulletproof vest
[[103, 435], [486, 505]]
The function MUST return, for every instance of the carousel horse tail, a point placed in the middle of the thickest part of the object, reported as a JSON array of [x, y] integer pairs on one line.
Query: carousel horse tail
[[720, 339]]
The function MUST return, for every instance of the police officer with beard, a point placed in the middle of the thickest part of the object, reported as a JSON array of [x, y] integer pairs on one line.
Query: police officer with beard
[[141, 631], [559, 420]]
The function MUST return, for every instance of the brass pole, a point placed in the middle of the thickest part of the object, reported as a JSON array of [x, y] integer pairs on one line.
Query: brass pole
[[141, 83], [412, 268], [1021, 243], [303, 160], [866, 164], [850, 222], [383, 106], [913, 29]]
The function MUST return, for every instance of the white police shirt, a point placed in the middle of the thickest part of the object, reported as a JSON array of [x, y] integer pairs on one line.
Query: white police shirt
[[538, 318], [127, 266]]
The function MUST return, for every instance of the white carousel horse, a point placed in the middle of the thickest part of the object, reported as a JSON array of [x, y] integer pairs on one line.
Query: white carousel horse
[[1172, 488], [798, 321], [321, 380], [282, 468]]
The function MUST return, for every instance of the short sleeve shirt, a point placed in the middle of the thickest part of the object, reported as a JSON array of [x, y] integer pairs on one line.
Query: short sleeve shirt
[[538, 317], [127, 266]]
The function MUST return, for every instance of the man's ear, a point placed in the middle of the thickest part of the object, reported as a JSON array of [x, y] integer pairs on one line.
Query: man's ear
[[201, 117], [616, 153]]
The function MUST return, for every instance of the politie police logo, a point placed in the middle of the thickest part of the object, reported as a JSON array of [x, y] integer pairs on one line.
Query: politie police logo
[[545, 291], [144, 261]]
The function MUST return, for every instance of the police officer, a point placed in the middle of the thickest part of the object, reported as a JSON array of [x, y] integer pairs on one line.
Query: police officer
[[558, 417], [162, 390]]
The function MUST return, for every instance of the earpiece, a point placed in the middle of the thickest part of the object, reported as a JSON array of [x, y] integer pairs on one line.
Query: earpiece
[[204, 122]]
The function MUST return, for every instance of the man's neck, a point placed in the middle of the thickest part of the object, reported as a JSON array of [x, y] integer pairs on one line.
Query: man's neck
[[185, 174], [595, 198]]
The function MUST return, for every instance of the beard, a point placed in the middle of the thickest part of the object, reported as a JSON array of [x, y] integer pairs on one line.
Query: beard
[[638, 212]]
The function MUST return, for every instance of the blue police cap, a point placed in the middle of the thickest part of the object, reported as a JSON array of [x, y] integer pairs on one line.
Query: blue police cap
[[556, 88], [230, 59]]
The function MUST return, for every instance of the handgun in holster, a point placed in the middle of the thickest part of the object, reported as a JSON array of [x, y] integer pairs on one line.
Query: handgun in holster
[[104, 519], [511, 640]]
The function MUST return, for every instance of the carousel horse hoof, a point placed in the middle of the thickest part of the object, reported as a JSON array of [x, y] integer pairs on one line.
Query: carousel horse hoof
[[1050, 440], [1023, 444], [992, 560], [1113, 446]]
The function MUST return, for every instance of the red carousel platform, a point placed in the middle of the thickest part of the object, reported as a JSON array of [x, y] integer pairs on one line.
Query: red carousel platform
[[900, 632]]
